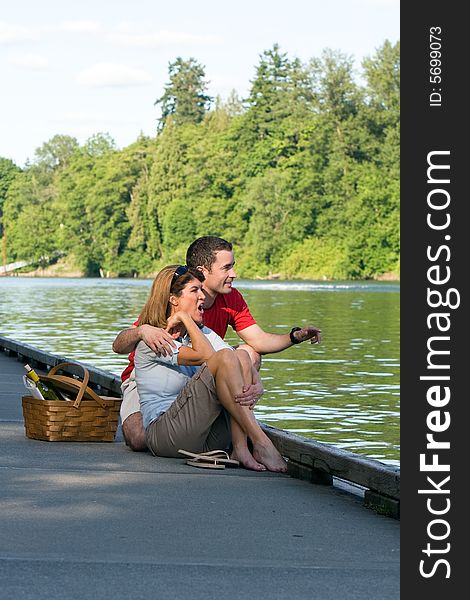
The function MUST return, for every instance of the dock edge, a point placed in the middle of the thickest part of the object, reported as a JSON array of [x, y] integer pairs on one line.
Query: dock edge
[[308, 460]]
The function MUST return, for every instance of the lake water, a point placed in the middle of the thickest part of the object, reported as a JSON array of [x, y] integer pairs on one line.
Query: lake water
[[343, 392]]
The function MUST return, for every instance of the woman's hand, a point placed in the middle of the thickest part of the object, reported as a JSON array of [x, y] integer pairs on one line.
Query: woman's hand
[[200, 350], [176, 324]]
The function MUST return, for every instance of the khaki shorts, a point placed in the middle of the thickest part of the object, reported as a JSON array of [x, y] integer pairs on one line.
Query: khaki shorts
[[130, 398], [196, 421]]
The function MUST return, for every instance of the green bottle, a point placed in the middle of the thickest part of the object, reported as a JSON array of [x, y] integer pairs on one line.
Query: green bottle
[[47, 393]]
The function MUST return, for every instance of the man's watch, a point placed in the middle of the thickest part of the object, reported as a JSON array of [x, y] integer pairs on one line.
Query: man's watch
[[291, 335]]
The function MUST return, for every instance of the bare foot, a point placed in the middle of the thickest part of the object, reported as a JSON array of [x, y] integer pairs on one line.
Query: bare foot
[[245, 458], [270, 457]]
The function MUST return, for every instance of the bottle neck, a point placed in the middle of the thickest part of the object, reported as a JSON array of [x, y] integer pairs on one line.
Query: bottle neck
[[33, 375]]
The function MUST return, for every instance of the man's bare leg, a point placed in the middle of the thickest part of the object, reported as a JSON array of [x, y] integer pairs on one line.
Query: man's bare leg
[[134, 432], [254, 356], [227, 369]]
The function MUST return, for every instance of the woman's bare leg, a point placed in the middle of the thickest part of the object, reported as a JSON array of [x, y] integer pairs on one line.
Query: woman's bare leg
[[241, 451], [228, 372]]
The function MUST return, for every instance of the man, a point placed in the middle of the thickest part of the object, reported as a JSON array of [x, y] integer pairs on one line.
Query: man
[[223, 306]]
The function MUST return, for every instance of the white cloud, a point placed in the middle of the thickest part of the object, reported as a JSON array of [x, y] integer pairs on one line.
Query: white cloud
[[113, 75], [160, 38], [30, 62], [13, 34]]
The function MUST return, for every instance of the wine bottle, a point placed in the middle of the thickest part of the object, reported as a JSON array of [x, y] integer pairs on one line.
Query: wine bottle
[[32, 389], [47, 392]]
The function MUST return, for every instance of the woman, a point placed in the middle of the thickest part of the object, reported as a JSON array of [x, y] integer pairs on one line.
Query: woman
[[187, 399]]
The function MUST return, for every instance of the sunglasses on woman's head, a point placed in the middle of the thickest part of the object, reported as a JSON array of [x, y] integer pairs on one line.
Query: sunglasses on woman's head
[[181, 270]]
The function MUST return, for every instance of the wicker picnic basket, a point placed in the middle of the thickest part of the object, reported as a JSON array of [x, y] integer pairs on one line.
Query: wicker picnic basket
[[88, 418]]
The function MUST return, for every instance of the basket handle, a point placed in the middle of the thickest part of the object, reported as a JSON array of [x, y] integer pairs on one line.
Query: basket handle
[[81, 385]]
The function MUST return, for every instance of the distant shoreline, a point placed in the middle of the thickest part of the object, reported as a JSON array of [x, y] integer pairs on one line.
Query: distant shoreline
[[67, 270], [46, 273]]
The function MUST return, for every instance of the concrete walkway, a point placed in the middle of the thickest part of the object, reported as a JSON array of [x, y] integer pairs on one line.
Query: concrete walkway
[[82, 520]]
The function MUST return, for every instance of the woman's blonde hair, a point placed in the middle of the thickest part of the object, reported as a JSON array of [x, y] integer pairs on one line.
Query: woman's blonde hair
[[167, 283]]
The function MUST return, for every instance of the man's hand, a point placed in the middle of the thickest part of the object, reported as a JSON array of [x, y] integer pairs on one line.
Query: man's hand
[[250, 395], [157, 339], [309, 332]]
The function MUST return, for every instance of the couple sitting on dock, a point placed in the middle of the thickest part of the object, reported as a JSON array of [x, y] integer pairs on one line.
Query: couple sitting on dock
[[184, 387]]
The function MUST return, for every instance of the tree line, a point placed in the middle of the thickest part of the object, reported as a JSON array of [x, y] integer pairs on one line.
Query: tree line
[[302, 176]]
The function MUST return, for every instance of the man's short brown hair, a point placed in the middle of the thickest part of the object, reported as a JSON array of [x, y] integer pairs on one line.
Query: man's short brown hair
[[202, 252]]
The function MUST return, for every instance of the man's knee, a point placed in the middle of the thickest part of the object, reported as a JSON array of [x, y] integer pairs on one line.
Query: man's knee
[[224, 360], [134, 433], [255, 357], [221, 357], [244, 358]]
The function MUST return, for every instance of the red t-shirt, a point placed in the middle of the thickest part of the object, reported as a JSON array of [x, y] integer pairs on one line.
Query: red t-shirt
[[228, 309]]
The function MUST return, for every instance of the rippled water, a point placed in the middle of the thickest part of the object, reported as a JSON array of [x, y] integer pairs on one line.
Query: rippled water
[[343, 392]]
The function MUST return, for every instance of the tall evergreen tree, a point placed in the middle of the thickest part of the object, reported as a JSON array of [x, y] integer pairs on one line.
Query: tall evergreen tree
[[185, 97], [269, 131]]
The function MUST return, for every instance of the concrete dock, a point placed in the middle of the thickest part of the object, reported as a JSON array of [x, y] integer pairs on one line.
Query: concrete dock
[[81, 519]]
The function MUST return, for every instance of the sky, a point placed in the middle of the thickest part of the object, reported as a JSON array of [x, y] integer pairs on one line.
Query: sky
[[97, 66]]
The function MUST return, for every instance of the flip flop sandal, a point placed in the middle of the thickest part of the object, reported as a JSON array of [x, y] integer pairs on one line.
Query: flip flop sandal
[[219, 457], [204, 465], [211, 454]]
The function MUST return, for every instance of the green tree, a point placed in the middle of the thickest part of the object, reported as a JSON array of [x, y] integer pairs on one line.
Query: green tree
[[332, 78], [8, 172], [279, 100], [99, 144], [144, 243], [32, 221], [185, 97], [382, 73], [316, 258], [74, 185], [279, 217], [94, 200], [178, 225], [56, 153], [373, 235]]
